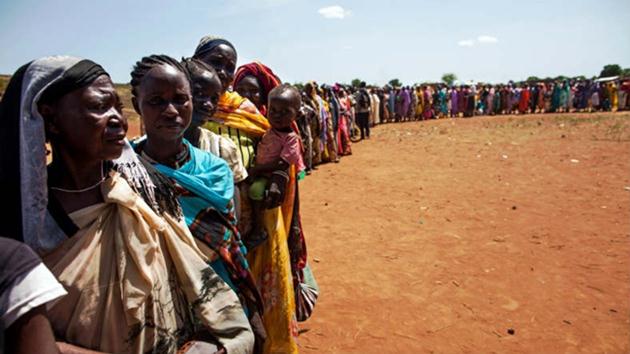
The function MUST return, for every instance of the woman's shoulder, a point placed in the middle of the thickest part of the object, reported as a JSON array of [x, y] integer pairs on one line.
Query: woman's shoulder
[[203, 156]]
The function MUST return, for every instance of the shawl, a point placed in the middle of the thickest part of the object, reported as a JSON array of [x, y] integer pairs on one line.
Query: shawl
[[238, 112], [167, 294]]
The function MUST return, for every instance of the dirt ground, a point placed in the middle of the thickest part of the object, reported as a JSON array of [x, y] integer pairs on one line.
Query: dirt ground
[[492, 234]]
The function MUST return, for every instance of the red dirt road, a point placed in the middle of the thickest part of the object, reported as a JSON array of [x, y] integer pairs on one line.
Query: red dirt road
[[441, 236]]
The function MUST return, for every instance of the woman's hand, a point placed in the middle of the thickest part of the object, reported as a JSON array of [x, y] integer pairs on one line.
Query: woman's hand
[[276, 189]]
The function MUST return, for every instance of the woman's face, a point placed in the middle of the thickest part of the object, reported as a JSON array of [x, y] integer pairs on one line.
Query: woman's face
[[206, 89], [249, 88], [88, 122], [164, 102], [223, 59]]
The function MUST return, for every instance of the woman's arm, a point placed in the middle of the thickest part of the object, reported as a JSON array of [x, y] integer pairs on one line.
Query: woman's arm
[[31, 333]]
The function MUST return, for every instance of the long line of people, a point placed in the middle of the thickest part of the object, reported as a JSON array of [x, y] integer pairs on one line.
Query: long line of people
[[189, 238], [431, 101], [334, 116]]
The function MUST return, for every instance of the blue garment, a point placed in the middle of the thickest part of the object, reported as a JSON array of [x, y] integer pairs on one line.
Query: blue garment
[[209, 184], [207, 176]]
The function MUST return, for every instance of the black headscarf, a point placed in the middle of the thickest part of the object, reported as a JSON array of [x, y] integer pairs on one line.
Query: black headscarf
[[208, 43], [40, 83], [78, 76]]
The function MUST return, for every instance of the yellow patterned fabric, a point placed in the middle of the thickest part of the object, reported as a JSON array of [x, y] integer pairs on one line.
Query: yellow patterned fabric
[[238, 120], [137, 282], [271, 266], [237, 112]]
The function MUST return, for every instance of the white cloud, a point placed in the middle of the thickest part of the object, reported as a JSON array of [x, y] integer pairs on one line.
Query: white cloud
[[487, 39], [334, 12], [483, 39]]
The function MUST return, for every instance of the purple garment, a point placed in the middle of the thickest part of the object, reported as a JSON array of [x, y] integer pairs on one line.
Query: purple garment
[[406, 101], [454, 102]]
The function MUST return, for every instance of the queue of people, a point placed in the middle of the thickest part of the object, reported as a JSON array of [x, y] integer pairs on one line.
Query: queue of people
[[432, 101], [187, 239]]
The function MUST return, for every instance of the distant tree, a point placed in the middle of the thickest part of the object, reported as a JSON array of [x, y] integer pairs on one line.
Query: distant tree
[[626, 72], [560, 78], [580, 78], [356, 82], [395, 83], [299, 85], [533, 79], [449, 78], [611, 70]]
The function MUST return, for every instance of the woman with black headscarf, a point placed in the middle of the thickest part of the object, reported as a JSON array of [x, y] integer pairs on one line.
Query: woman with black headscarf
[[104, 221]]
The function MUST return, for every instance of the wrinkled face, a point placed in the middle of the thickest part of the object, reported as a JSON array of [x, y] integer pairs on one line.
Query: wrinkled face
[[249, 88], [164, 101], [283, 109], [88, 122], [223, 59], [206, 90]]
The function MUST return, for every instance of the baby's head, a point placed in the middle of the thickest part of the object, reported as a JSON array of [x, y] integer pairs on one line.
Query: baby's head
[[284, 106], [206, 90]]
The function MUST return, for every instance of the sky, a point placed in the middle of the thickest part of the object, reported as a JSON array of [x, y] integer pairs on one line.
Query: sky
[[332, 41]]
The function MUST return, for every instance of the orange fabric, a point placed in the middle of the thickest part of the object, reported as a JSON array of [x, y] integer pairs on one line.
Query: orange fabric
[[237, 112]]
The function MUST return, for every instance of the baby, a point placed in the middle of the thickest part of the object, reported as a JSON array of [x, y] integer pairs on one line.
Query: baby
[[279, 149]]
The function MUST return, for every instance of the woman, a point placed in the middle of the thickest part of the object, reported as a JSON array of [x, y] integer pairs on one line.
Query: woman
[[162, 97], [314, 101], [254, 81], [108, 231], [206, 88], [238, 119], [454, 102], [327, 134], [523, 104], [343, 140]]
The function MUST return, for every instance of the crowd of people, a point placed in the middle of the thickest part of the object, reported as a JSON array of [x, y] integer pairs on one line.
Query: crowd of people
[[334, 116], [431, 101], [188, 239]]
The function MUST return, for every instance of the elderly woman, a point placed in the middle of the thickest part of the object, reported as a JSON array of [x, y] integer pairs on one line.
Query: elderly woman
[[238, 119], [104, 222]]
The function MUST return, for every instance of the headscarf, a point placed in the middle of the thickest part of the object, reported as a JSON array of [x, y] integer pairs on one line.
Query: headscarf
[[23, 181], [265, 77], [208, 43]]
